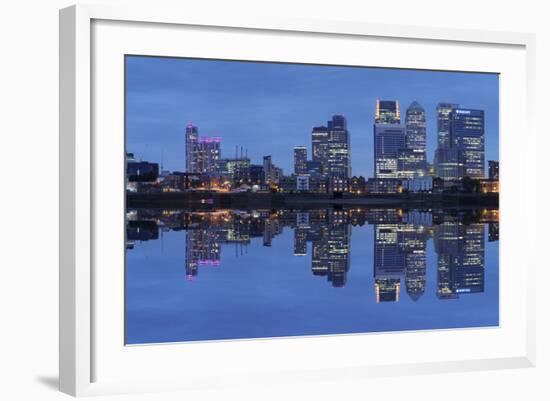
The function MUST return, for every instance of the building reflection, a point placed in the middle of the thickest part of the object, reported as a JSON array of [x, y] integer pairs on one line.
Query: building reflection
[[460, 258], [331, 249], [399, 252]]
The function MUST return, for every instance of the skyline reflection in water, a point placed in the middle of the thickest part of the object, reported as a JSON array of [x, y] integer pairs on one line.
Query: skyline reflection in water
[[230, 274]]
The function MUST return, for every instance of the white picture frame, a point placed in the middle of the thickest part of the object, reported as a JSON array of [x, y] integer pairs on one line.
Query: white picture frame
[[79, 206]]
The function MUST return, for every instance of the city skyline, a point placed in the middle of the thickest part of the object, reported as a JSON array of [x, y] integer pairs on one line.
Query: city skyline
[[284, 122], [272, 199]]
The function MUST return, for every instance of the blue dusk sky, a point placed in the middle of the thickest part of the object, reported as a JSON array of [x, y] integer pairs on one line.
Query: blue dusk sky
[[268, 108]]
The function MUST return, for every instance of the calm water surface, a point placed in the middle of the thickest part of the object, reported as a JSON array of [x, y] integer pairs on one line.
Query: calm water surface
[[230, 274]]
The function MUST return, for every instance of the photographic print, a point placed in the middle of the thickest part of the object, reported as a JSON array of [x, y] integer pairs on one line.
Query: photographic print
[[268, 199]]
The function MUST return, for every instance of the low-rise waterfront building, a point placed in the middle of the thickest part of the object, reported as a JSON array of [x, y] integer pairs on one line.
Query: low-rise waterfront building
[[383, 186], [418, 184]]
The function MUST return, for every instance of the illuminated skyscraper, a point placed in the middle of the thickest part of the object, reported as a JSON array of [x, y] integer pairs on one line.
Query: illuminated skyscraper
[[444, 111], [467, 128], [339, 152], [447, 164], [207, 154], [319, 145], [387, 112], [201, 153], [413, 159], [331, 147], [389, 139], [461, 143], [191, 147], [300, 160]]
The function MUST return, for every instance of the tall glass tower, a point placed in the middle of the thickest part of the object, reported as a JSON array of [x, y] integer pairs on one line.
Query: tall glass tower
[[319, 145], [300, 160], [387, 112], [331, 147], [444, 111], [467, 129], [191, 147], [389, 139], [447, 163], [415, 140]]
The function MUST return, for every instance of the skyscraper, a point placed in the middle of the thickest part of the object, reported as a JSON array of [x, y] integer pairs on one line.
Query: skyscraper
[[443, 121], [319, 147], [387, 112], [331, 147], [413, 160], [339, 153], [207, 154], [467, 129], [191, 145], [300, 160], [201, 153], [447, 164], [268, 169], [389, 139], [461, 142]]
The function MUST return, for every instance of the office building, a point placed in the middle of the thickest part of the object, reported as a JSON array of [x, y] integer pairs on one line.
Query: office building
[[319, 147], [191, 147], [418, 184], [461, 143], [300, 160], [268, 170], [331, 147], [447, 164], [207, 154], [313, 167], [444, 111], [236, 169], [467, 129], [383, 185], [387, 112], [415, 140], [389, 139]]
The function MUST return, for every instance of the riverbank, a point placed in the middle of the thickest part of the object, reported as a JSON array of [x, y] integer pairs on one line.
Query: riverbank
[[248, 200]]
